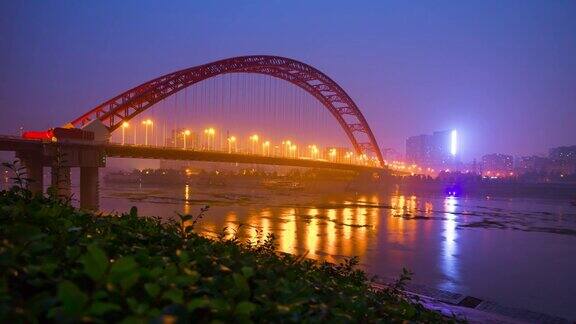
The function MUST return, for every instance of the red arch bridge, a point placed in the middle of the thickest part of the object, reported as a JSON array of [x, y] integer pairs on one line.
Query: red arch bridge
[[83, 142]]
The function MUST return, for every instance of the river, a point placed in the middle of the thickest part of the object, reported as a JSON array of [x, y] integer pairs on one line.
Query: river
[[518, 252]]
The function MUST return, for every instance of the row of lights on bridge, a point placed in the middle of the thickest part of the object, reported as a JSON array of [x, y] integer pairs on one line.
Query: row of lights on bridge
[[289, 148]]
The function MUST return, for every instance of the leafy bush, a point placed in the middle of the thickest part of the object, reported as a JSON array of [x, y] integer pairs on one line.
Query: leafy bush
[[60, 264]]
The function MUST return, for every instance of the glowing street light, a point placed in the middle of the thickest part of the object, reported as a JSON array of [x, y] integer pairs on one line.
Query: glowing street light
[[266, 148], [293, 148], [147, 123], [332, 154], [209, 132], [348, 156], [184, 134], [254, 138], [124, 126], [231, 140], [313, 151], [286, 147]]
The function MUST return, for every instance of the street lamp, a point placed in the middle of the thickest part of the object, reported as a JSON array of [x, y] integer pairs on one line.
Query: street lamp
[[184, 134], [254, 138], [286, 147], [209, 132], [313, 151], [266, 148], [231, 140], [349, 156], [124, 126], [293, 148], [147, 123], [332, 154]]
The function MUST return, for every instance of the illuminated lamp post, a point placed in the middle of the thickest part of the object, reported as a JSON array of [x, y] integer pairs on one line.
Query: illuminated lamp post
[[231, 140], [184, 134], [266, 148], [209, 132], [147, 123], [124, 126]]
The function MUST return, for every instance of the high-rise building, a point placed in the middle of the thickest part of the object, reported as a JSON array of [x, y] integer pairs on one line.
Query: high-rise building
[[437, 150], [497, 165], [563, 159], [531, 164]]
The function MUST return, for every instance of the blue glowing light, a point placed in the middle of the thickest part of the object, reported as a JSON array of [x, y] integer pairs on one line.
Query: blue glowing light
[[454, 142]]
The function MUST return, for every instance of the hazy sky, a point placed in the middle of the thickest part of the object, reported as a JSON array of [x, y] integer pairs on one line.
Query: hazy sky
[[501, 72]]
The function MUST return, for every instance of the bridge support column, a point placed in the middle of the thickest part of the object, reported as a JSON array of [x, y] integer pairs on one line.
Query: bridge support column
[[35, 173], [61, 181], [89, 188]]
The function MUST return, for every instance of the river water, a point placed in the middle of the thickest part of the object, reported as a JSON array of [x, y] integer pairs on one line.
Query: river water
[[518, 252]]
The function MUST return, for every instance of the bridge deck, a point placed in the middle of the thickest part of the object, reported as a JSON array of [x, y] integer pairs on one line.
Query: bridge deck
[[12, 143], [167, 153]]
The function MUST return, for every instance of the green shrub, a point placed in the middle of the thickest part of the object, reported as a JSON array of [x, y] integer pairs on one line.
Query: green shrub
[[60, 264]]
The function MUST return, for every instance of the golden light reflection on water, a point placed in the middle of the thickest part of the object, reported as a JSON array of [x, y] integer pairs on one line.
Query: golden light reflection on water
[[186, 200], [330, 247], [265, 216], [287, 239], [312, 232], [350, 228]]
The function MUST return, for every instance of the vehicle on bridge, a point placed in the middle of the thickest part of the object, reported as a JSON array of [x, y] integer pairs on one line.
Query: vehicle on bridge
[[60, 134], [92, 133]]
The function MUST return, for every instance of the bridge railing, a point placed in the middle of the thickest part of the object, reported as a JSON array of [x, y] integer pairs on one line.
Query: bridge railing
[[278, 151]]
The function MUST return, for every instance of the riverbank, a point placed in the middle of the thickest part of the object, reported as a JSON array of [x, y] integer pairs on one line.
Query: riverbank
[[62, 264]]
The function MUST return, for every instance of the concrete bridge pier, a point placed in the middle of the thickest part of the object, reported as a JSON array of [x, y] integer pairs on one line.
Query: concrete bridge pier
[[34, 173], [89, 188], [61, 181]]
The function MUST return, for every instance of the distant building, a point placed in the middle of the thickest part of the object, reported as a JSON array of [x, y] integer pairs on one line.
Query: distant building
[[497, 165], [563, 153], [532, 165], [437, 150], [563, 160]]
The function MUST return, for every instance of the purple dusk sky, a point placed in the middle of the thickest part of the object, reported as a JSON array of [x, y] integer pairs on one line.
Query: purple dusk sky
[[501, 72]]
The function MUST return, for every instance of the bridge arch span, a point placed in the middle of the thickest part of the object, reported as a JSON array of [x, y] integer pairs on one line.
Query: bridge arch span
[[127, 105]]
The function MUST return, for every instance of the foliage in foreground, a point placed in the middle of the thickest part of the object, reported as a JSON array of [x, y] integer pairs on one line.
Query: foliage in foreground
[[64, 265]]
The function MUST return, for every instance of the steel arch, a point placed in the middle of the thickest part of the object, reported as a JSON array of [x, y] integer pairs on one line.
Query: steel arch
[[134, 101]]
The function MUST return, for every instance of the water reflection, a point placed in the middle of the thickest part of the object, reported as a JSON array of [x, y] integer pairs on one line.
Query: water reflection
[[287, 238], [450, 247], [312, 232], [187, 200], [389, 231]]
